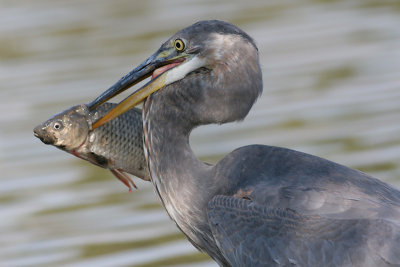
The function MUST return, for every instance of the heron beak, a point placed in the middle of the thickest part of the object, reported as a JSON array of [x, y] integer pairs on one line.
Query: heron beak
[[156, 66]]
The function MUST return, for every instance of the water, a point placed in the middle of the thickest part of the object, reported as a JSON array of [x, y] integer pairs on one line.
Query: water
[[331, 88]]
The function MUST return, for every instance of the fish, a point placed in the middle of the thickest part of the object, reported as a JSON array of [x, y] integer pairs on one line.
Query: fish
[[116, 146]]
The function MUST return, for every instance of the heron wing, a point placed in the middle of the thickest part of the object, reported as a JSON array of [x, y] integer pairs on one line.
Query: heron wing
[[287, 179], [250, 234], [330, 201]]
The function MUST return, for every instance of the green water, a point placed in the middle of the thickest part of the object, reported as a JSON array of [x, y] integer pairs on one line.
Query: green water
[[331, 88]]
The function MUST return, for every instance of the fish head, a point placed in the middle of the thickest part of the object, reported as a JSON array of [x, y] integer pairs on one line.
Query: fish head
[[67, 130]]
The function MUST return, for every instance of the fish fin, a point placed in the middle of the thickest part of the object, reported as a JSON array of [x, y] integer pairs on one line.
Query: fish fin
[[124, 178]]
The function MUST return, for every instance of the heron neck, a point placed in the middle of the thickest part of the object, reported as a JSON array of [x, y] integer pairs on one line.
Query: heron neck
[[183, 183], [176, 171]]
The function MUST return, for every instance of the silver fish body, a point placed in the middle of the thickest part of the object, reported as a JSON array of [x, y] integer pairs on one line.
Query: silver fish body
[[117, 145]]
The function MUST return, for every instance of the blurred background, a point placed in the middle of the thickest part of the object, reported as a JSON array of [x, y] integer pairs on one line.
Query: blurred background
[[331, 88]]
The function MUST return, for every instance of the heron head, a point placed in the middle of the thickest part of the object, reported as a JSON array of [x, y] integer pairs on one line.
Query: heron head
[[227, 52]]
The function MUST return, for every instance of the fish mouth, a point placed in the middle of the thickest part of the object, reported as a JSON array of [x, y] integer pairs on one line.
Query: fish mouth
[[39, 133]]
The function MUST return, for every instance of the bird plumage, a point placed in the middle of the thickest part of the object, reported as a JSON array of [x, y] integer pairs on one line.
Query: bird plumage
[[259, 205]]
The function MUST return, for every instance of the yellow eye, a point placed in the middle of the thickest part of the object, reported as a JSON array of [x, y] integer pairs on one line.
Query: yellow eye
[[179, 45]]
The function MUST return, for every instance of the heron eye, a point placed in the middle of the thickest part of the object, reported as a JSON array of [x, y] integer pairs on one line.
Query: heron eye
[[57, 125], [179, 45]]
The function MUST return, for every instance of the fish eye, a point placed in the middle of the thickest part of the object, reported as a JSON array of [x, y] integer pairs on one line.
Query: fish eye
[[57, 125], [179, 45]]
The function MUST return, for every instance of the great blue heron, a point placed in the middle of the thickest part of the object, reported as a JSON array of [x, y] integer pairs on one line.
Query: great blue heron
[[260, 205]]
